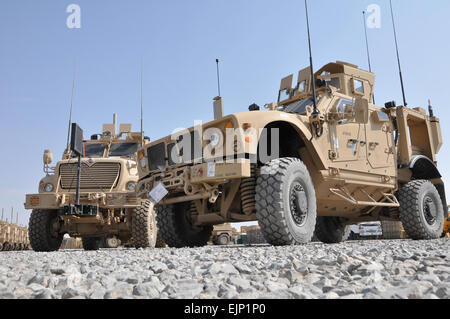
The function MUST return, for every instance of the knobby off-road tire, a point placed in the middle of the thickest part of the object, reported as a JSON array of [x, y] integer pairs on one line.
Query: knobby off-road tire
[[331, 230], [143, 225], [41, 234], [421, 210], [286, 202], [91, 243], [223, 240], [177, 230], [160, 243], [391, 229]]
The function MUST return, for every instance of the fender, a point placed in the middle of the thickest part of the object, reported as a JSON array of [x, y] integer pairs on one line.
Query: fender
[[267, 118], [423, 168]]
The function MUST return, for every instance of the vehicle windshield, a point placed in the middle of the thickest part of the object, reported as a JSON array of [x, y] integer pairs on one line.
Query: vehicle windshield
[[123, 149], [92, 150], [299, 107]]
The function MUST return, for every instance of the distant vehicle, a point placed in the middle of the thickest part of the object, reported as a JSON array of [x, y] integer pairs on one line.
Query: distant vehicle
[[112, 215], [366, 231]]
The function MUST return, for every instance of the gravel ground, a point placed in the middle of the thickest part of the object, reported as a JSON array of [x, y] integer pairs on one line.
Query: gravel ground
[[367, 269]]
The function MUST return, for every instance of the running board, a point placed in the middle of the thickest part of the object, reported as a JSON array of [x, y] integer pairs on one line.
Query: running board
[[388, 200]]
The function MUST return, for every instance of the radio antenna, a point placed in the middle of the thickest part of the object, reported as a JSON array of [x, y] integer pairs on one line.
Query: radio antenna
[[71, 103], [368, 50], [218, 76], [398, 56], [316, 111], [142, 94]]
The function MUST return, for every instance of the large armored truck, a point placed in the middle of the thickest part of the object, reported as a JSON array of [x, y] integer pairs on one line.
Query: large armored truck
[[13, 237], [299, 169], [108, 178]]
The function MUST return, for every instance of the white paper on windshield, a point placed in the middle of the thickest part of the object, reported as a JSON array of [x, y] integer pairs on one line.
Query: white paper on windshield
[[158, 193]]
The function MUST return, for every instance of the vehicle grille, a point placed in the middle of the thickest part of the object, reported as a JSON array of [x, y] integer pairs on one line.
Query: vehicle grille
[[101, 176]]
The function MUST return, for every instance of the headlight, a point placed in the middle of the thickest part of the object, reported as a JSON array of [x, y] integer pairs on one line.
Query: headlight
[[214, 139], [143, 161], [131, 186], [48, 188]]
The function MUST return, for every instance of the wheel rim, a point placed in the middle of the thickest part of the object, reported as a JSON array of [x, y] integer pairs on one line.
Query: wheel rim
[[298, 204], [429, 211], [112, 242], [223, 240]]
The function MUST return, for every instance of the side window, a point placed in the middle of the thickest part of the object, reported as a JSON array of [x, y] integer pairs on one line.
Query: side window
[[335, 82], [284, 95], [345, 107], [302, 86], [358, 86]]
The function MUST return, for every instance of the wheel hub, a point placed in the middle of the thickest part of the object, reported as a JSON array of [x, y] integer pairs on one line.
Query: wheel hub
[[429, 210], [299, 204]]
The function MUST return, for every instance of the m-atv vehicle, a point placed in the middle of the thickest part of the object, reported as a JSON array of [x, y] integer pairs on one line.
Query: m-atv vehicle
[[297, 169], [107, 192]]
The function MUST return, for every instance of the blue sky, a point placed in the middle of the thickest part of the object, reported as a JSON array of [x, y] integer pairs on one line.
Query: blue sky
[[257, 41]]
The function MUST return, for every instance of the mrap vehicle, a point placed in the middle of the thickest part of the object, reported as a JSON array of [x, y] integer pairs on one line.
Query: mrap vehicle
[[315, 161], [108, 178]]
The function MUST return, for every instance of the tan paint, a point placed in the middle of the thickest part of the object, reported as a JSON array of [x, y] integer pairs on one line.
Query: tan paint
[[353, 164]]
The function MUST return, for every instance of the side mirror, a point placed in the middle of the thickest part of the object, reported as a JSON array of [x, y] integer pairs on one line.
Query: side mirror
[[48, 157], [362, 111]]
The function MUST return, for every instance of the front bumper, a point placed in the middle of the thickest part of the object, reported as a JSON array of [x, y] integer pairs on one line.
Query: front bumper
[[58, 200], [192, 178]]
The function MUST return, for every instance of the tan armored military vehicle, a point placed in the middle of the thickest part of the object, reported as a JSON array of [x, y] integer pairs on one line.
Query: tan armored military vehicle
[[13, 237], [223, 234], [297, 169], [107, 192]]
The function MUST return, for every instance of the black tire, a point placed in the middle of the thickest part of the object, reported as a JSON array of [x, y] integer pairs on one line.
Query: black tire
[[391, 229], [160, 243], [91, 243], [421, 210], [286, 202], [143, 226], [176, 229], [42, 237], [331, 230], [223, 240]]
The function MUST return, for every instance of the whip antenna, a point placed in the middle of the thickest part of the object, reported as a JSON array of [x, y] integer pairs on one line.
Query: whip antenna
[[218, 76], [142, 94], [316, 111], [398, 56], [71, 104], [368, 50]]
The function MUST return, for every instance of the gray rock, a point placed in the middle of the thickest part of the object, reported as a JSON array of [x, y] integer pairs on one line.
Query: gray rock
[[157, 267], [44, 294], [222, 268], [147, 289], [240, 283]]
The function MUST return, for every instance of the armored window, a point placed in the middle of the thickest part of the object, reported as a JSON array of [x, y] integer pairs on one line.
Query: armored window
[[345, 106], [300, 106], [93, 150], [335, 82], [123, 149], [358, 86], [284, 95], [302, 86]]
